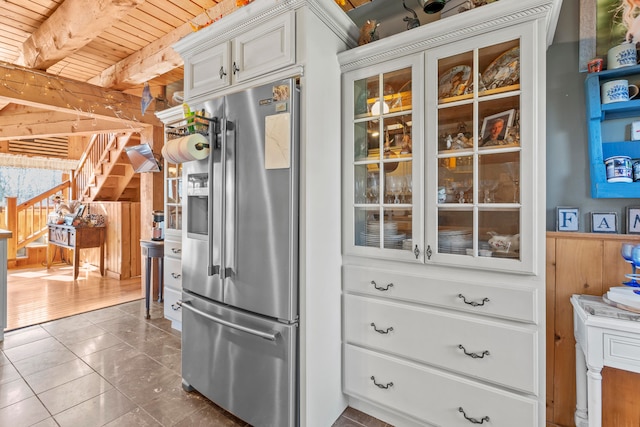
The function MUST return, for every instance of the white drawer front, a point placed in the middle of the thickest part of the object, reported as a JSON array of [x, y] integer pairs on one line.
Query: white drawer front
[[497, 352], [172, 310], [505, 302], [173, 274], [430, 395], [622, 352], [173, 248]]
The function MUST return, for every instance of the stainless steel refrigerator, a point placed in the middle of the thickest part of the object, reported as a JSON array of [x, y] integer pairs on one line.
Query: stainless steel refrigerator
[[240, 258]]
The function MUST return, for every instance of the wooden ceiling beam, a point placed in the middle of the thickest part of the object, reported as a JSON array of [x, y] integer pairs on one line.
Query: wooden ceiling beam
[[42, 90], [73, 24], [22, 122], [158, 57]]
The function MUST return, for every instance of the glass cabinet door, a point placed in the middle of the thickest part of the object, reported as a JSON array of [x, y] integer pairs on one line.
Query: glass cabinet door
[[173, 196], [382, 199], [478, 203]]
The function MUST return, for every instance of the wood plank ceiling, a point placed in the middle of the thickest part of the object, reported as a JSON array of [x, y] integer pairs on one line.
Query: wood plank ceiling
[[115, 45]]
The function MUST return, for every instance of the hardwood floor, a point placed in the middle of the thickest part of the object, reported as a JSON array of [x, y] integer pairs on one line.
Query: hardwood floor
[[38, 295]]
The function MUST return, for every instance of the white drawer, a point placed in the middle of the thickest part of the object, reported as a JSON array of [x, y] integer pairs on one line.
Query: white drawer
[[173, 248], [173, 274], [486, 299], [486, 349], [430, 395], [621, 351], [172, 310]]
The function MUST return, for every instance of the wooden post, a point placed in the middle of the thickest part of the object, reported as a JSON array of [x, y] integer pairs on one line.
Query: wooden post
[[151, 193], [12, 225]]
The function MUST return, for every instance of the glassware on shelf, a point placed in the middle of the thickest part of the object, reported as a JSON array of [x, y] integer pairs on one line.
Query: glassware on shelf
[[631, 254], [394, 188], [513, 171], [373, 188], [461, 188], [488, 187]]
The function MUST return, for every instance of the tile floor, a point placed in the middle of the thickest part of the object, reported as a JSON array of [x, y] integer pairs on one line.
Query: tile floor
[[108, 367]]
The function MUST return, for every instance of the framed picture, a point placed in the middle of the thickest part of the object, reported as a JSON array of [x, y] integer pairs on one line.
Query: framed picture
[[494, 128], [604, 24], [633, 219], [567, 219], [604, 222]]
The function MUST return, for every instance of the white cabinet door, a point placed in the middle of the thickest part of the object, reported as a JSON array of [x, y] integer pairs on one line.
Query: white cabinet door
[[207, 71], [382, 180], [482, 152], [268, 47]]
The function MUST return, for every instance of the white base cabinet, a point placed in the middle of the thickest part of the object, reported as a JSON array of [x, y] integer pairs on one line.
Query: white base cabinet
[[443, 214]]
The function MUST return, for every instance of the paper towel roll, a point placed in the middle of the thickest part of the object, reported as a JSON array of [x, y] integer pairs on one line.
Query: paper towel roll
[[187, 148]]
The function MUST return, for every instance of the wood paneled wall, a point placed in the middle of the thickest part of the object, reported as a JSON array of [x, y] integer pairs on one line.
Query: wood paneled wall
[[583, 263], [123, 256]]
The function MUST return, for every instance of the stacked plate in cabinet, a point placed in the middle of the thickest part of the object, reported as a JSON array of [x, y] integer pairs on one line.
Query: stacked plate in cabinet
[[392, 239], [454, 241]]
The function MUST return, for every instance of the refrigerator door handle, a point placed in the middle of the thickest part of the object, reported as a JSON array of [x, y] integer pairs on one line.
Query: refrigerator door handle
[[223, 198], [271, 335], [212, 269]]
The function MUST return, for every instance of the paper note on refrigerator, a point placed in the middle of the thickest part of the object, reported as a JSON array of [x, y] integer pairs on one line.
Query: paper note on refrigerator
[[277, 141]]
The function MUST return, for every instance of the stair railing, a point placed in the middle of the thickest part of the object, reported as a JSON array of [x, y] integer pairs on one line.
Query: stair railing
[[28, 221], [89, 164]]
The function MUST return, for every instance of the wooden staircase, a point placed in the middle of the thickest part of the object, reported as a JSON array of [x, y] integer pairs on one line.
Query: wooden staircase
[[105, 173]]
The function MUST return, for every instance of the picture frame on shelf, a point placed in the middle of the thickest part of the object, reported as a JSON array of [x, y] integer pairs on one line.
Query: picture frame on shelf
[[567, 218], [633, 219], [495, 128], [604, 222]]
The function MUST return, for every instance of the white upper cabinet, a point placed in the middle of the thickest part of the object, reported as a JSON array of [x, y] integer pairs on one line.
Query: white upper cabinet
[[214, 64], [443, 144]]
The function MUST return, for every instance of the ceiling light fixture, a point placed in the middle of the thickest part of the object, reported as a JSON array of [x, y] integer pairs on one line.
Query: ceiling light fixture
[[432, 6]]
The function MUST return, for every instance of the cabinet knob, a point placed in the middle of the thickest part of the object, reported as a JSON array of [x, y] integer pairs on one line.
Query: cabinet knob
[[176, 276], [235, 68], [176, 250], [177, 306], [222, 73]]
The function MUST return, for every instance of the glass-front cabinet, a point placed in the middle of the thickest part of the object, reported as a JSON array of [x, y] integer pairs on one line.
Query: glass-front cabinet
[[173, 196], [436, 150], [382, 157], [477, 154]]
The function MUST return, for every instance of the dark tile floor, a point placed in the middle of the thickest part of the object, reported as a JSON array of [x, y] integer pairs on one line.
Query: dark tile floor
[[108, 367]]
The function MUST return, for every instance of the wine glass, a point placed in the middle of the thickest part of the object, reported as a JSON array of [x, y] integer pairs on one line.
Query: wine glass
[[635, 260], [394, 187], [513, 171], [626, 251], [373, 188]]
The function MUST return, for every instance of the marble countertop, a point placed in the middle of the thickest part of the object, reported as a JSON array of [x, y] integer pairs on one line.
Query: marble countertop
[[596, 306]]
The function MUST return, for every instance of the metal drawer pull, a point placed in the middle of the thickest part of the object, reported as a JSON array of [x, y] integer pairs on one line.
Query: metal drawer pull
[[474, 355], [381, 385], [473, 303], [177, 306], [176, 250], [222, 73], [380, 288], [176, 276], [381, 331], [473, 420]]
